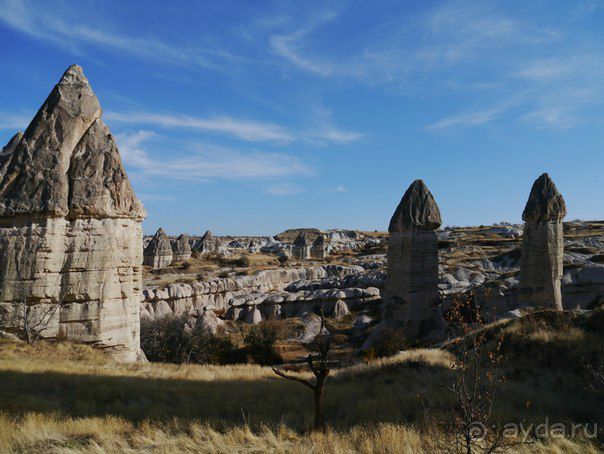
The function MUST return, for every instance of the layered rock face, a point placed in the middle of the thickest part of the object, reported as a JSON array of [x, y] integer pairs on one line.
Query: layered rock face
[[158, 253], [411, 288], [541, 265], [70, 234], [208, 244], [301, 247], [267, 294], [181, 248]]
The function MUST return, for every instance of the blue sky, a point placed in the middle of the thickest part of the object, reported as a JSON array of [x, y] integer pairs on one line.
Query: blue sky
[[253, 117]]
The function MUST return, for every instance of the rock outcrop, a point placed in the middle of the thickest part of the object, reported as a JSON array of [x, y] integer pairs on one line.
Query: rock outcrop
[[266, 294], [208, 244], [301, 247], [411, 296], [181, 248], [541, 265], [70, 233], [158, 253]]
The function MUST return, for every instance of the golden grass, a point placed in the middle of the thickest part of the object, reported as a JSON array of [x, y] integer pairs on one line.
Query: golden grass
[[51, 434], [68, 398]]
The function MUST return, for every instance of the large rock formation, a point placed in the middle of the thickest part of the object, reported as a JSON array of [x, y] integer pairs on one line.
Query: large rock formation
[[70, 234], [542, 245], [208, 244], [158, 253], [181, 248], [301, 247], [411, 297]]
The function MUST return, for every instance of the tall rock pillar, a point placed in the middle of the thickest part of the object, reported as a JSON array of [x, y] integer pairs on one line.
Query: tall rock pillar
[[542, 245], [411, 287], [70, 233]]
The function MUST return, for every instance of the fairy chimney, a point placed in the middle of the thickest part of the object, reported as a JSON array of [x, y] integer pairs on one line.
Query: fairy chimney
[[70, 227], [542, 245]]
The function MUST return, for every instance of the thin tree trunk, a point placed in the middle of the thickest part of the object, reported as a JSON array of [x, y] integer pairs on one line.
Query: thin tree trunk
[[320, 404]]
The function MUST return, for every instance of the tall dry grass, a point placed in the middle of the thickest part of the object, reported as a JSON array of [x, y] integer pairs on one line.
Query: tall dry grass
[[70, 398]]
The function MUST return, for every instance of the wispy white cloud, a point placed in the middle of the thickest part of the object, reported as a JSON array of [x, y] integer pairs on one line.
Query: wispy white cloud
[[289, 45], [244, 129], [49, 23], [148, 197], [563, 110], [284, 189], [251, 131], [475, 117], [204, 163], [14, 121], [586, 66]]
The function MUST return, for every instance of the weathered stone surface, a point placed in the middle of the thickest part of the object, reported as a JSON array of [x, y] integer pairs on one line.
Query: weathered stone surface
[[301, 247], [541, 265], [545, 203], [265, 292], [70, 235], [181, 248], [37, 177], [416, 210], [411, 296], [7, 151], [98, 185], [158, 253], [208, 244], [11, 145]]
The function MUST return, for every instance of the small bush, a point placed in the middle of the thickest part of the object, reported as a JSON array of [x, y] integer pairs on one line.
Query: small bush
[[391, 342], [171, 339], [260, 342]]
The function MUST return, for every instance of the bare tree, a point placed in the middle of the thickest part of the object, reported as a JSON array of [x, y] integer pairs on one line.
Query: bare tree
[[468, 424], [318, 366]]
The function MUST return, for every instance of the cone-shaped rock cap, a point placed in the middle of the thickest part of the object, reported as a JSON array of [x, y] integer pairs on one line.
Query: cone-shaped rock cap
[[417, 210], [159, 244], [208, 236], [67, 163], [545, 203], [181, 245], [301, 240]]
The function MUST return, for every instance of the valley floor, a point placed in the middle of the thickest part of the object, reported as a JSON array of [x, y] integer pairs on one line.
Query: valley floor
[[70, 398]]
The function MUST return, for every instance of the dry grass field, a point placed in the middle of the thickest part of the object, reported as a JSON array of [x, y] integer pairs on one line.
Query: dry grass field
[[70, 398]]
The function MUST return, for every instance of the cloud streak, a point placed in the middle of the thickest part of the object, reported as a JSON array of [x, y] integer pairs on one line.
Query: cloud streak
[[204, 164], [251, 131], [243, 129], [48, 25]]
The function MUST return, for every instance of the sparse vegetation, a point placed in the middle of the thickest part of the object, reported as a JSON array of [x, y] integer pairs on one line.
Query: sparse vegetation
[[260, 342], [71, 398], [173, 340]]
